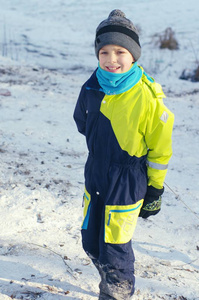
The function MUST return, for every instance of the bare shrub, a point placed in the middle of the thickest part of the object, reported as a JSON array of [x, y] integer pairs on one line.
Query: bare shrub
[[196, 77], [167, 40], [190, 75]]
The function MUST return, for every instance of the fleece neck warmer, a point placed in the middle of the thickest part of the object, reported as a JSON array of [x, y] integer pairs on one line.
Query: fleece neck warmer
[[117, 83]]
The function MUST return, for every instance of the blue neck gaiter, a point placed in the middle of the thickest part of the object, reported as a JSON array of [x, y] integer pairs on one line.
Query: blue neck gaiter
[[117, 83]]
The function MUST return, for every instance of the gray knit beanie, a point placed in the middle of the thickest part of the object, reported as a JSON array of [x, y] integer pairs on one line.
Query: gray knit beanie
[[118, 30]]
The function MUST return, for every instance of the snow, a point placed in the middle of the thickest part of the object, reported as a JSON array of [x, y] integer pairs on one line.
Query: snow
[[46, 54]]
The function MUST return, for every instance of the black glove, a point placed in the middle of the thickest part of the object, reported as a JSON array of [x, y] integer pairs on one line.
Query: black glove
[[152, 202]]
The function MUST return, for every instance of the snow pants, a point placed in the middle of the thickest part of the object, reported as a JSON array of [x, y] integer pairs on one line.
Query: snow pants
[[111, 207], [115, 262]]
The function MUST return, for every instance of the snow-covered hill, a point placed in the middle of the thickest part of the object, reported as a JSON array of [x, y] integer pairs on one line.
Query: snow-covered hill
[[46, 54]]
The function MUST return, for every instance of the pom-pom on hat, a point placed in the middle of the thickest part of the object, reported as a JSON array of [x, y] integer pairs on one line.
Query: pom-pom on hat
[[118, 30]]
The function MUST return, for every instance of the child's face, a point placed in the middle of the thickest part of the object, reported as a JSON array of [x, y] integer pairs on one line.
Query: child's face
[[115, 59]]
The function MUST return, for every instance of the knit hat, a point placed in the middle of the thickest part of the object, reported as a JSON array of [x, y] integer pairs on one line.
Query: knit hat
[[118, 30]]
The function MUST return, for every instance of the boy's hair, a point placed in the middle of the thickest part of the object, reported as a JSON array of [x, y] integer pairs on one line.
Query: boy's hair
[[118, 30]]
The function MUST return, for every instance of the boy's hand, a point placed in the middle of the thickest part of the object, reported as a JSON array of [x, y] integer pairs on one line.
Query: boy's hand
[[152, 202]]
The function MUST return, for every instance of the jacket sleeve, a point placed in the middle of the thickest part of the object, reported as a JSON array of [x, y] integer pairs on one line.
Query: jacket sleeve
[[158, 139], [80, 111]]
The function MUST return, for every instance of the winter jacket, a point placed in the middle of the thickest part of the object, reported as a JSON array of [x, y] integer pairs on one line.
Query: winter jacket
[[129, 141]]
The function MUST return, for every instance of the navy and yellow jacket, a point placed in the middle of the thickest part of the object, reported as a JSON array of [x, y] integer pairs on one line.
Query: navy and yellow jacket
[[138, 119], [128, 137]]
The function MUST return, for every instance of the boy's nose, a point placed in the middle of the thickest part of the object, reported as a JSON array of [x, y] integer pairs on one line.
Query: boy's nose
[[112, 57]]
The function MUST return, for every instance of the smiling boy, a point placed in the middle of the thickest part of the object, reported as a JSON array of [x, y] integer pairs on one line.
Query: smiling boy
[[128, 132]]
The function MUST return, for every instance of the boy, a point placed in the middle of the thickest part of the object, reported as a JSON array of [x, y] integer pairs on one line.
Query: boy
[[128, 132]]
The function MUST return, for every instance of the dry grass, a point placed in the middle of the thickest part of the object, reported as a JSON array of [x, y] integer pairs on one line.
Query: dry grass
[[167, 40], [191, 75]]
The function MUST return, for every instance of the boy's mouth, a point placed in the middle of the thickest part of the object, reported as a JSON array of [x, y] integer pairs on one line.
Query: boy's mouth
[[112, 69]]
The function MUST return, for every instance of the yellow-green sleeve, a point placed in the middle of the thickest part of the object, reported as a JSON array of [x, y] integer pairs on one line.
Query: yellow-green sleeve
[[159, 141]]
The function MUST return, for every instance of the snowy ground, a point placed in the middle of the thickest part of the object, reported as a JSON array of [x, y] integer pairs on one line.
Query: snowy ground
[[46, 53]]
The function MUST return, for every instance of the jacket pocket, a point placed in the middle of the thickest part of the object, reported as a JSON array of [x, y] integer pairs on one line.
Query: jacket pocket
[[87, 205], [120, 222]]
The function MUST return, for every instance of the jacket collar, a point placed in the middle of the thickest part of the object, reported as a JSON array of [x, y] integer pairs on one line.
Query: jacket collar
[[92, 83]]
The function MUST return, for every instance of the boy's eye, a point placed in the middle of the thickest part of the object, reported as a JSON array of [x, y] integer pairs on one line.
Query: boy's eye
[[121, 52]]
